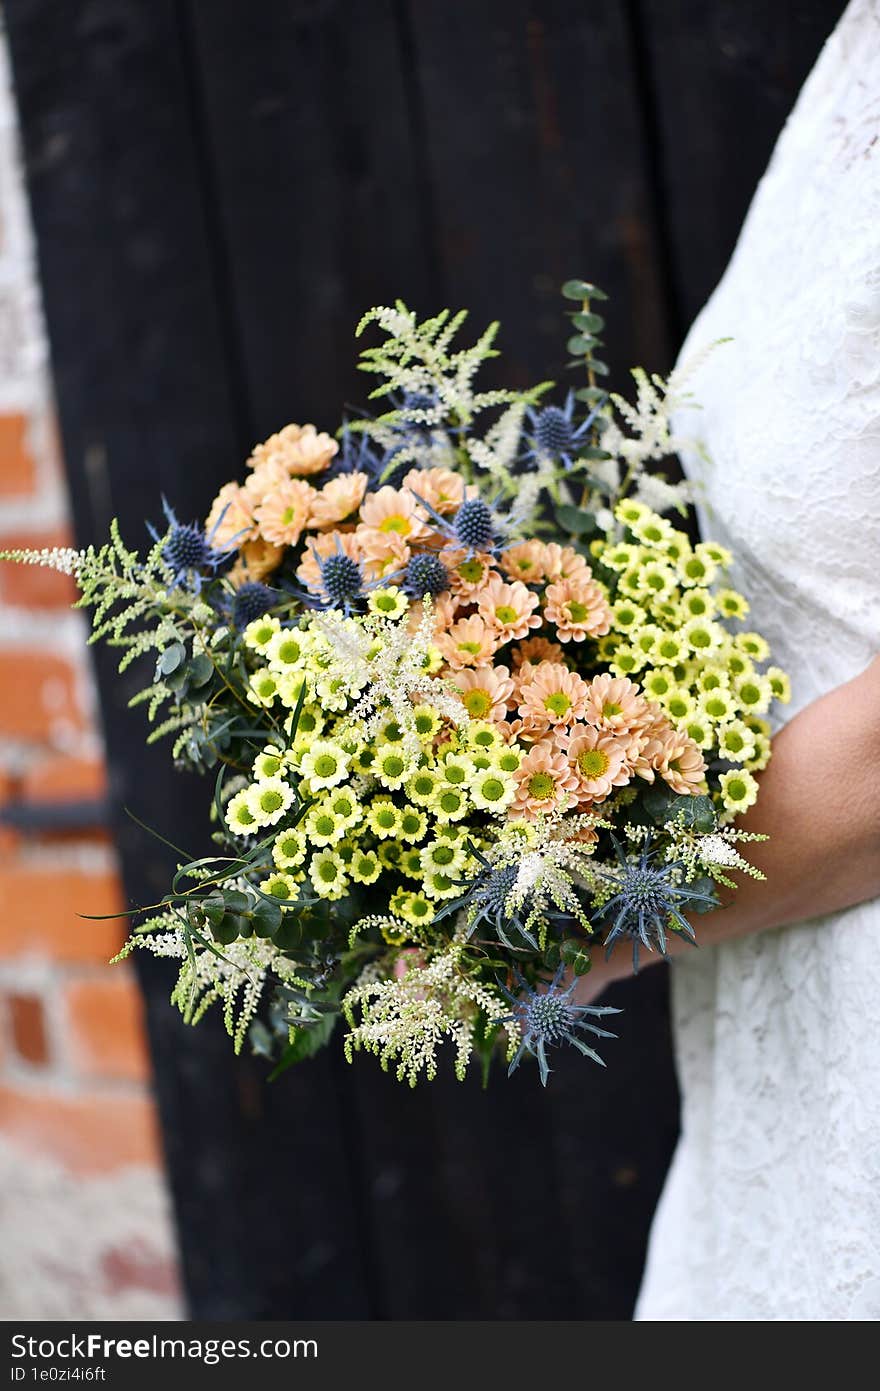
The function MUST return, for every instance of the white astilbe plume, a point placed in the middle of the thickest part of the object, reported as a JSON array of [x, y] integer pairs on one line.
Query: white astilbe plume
[[637, 432], [713, 854], [551, 870], [234, 975], [404, 1020], [383, 659], [65, 559]]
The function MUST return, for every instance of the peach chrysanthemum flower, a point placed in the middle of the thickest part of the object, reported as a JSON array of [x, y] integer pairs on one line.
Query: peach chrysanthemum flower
[[544, 781], [552, 695], [485, 691], [439, 487], [230, 521], [265, 479], [384, 552], [467, 574], [508, 608], [283, 514], [598, 761], [256, 560], [564, 563], [679, 762], [616, 704], [338, 499], [300, 449], [325, 543], [524, 561], [535, 650], [392, 510], [470, 642], [578, 609]]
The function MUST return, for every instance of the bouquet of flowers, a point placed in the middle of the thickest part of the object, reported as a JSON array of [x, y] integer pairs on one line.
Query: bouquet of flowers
[[475, 704]]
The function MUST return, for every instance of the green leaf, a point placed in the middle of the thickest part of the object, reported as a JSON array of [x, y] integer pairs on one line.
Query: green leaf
[[171, 659], [588, 323], [600, 368], [591, 396], [575, 954], [236, 901], [578, 345], [574, 521], [267, 918], [200, 670], [227, 929], [582, 289]]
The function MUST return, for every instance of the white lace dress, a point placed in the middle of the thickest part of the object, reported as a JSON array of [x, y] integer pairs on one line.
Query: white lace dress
[[772, 1206]]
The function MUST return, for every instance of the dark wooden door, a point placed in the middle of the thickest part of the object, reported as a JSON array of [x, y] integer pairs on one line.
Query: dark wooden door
[[219, 190]]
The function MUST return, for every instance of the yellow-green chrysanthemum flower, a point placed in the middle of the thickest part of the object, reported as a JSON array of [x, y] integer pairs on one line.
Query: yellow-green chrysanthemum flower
[[439, 885], [281, 886], [325, 764], [239, 817], [739, 790], [450, 803], [269, 800], [717, 706], [427, 721], [270, 762], [753, 645], [392, 766], [286, 651], [780, 684], [410, 862], [629, 511], [390, 853], [423, 786], [389, 602], [754, 694], [263, 687], [365, 867], [289, 850], [413, 824], [732, 604], [344, 805], [327, 873], [679, 705], [652, 530], [719, 555], [480, 734], [626, 615], [258, 635], [736, 742], [698, 603], [507, 760], [492, 790], [383, 818], [626, 660], [703, 636], [697, 570], [322, 826]]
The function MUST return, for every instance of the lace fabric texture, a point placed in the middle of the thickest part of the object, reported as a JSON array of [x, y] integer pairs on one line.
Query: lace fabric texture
[[772, 1206]]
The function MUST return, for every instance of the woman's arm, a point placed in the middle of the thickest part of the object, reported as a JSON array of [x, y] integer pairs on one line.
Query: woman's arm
[[820, 807]]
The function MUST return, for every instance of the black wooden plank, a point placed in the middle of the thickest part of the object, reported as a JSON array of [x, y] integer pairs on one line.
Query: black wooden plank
[[151, 400], [534, 141], [723, 79]]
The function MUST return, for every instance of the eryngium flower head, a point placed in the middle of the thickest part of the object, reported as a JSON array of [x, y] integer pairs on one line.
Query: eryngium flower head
[[555, 434], [649, 903], [188, 551], [251, 601], [474, 525], [425, 574], [485, 897], [550, 1017]]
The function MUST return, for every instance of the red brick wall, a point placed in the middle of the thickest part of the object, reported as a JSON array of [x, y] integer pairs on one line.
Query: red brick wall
[[86, 1227]]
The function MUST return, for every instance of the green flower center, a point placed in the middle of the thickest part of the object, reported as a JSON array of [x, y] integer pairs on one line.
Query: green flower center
[[506, 614], [455, 774], [610, 709], [558, 703], [398, 524], [443, 855], [577, 613], [325, 824], [541, 786], [326, 765], [749, 694], [393, 765], [472, 571], [271, 800], [493, 789], [471, 647]]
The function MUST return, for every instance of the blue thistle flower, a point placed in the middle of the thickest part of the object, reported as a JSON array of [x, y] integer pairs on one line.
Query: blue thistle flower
[[648, 903], [188, 551], [341, 579], [550, 1017], [251, 601], [357, 454], [425, 574], [486, 896], [555, 433], [474, 525]]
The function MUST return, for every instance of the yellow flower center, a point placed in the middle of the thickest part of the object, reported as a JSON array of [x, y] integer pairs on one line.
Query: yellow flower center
[[541, 786], [505, 614], [472, 571], [478, 704], [287, 516], [610, 709], [471, 647], [593, 763], [577, 613], [271, 800], [397, 523]]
